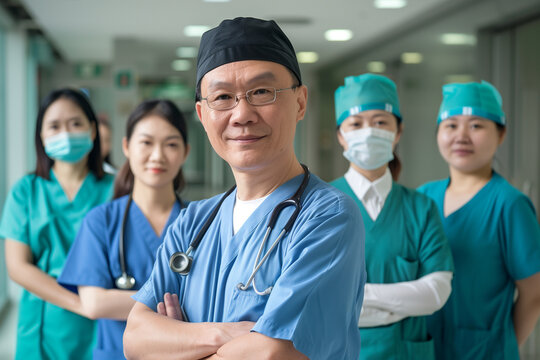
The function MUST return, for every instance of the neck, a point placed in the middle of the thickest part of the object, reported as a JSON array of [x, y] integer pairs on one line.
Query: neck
[[470, 181], [153, 200], [371, 175], [255, 184], [67, 172]]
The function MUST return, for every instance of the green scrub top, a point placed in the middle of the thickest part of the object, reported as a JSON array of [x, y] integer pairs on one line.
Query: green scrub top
[[38, 214], [495, 240], [404, 243]]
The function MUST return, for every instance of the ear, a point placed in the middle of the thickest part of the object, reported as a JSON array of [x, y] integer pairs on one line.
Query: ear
[[398, 135], [301, 100], [502, 135], [341, 140], [125, 147], [199, 109]]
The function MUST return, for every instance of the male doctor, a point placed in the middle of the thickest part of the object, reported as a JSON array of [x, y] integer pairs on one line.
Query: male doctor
[[291, 296]]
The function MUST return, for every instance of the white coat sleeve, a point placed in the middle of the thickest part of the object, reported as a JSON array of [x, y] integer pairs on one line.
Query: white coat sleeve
[[419, 297], [371, 317]]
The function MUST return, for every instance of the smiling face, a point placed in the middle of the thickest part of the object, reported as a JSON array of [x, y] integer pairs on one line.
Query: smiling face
[[155, 152], [468, 143], [64, 115], [252, 137]]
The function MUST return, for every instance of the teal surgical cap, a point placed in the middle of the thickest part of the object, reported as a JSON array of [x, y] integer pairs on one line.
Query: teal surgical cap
[[478, 99], [366, 92]]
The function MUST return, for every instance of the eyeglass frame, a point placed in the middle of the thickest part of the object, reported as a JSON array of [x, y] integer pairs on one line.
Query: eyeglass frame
[[245, 95]]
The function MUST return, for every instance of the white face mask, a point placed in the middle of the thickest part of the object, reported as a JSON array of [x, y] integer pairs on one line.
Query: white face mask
[[369, 148]]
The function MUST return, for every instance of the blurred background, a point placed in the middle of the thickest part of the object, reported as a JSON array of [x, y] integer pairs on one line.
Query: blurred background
[[123, 51]]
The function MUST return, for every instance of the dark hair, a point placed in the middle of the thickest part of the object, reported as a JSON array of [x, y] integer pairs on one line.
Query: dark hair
[[166, 110], [105, 122], [43, 162]]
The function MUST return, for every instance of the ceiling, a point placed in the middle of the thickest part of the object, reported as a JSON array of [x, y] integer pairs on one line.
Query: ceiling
[[84, 30]]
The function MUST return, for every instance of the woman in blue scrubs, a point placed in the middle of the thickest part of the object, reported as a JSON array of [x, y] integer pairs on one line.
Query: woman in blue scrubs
[[146, 188], [408, 260], [492, 230], [41, 217]]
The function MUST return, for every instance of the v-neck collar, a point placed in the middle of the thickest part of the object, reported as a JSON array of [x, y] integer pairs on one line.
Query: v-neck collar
[[147, 226], [87, 181], [231, 243], [471, 201]]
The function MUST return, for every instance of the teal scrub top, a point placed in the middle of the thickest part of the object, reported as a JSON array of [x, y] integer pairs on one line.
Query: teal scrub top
[[495, 240], [404, 243], [38, 214]]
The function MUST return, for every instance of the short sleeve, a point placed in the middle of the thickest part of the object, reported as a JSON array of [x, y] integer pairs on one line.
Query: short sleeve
[[15, 221], [521, 236], [162, 279], [87, 263], [316, 301], [434, 252]]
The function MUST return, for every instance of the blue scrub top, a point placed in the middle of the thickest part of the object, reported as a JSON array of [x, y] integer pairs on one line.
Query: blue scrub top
[[317, 270], [495, 240], [94, 260]]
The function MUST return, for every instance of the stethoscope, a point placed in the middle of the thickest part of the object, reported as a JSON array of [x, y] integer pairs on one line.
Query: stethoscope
[[125, 281], [180, 262]]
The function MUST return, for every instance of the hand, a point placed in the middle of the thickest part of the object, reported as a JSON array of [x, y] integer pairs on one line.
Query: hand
[[170, 307]]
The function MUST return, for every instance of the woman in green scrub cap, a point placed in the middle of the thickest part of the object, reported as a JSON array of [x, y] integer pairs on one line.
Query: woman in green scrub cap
[[41, 217], [408, 259], [492, 230]]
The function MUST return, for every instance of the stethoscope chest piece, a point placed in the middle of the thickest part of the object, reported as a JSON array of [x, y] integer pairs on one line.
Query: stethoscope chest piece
[[125, 282], [180, 262]]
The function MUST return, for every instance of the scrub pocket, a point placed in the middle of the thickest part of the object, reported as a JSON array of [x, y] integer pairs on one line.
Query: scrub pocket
[[246, 305], [407, 270], [424, 350]]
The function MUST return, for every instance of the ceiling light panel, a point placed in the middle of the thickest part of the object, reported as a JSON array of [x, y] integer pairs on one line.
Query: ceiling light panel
[[195, 30], [458, 39], [390, 4], [186, 52], [376, 67], [307, 57], [412, 58], [338, 35], [181, 65]]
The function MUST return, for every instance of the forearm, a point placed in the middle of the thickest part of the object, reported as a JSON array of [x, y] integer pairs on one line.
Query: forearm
[[149, 335], [45, 287], [106, 303], [255, 346], [411, 298], [527, 307]]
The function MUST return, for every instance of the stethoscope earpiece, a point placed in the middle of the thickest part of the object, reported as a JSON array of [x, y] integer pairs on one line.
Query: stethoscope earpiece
[[180, 262], [125, 282]]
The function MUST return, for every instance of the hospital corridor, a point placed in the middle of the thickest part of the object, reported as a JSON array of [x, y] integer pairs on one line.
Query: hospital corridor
[[236, 179]]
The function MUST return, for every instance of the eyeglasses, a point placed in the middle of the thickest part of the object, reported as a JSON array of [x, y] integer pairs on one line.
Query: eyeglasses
[[256, 97]]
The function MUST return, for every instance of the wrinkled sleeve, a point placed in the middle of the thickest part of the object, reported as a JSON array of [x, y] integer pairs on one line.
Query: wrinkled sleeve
[[87, 263], [162, 279], [521, 236], [15, 221], [316, 301]]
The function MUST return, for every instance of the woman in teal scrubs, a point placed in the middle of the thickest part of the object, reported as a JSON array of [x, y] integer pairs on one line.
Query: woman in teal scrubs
[[145, 196], [41, 217], [492, 230], [408, 260]]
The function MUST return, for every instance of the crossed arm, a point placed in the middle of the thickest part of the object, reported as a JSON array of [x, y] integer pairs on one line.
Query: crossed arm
[[164, 335], [527, 307]]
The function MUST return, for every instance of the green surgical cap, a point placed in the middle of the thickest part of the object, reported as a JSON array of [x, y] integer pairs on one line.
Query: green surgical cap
[[366, 92], [478, 99]]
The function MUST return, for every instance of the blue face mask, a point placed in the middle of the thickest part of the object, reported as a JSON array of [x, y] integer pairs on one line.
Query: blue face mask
[[69, 147], [369, 148]]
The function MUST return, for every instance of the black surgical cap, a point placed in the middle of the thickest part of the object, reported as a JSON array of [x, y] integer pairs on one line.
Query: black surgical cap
[[245, 38]]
